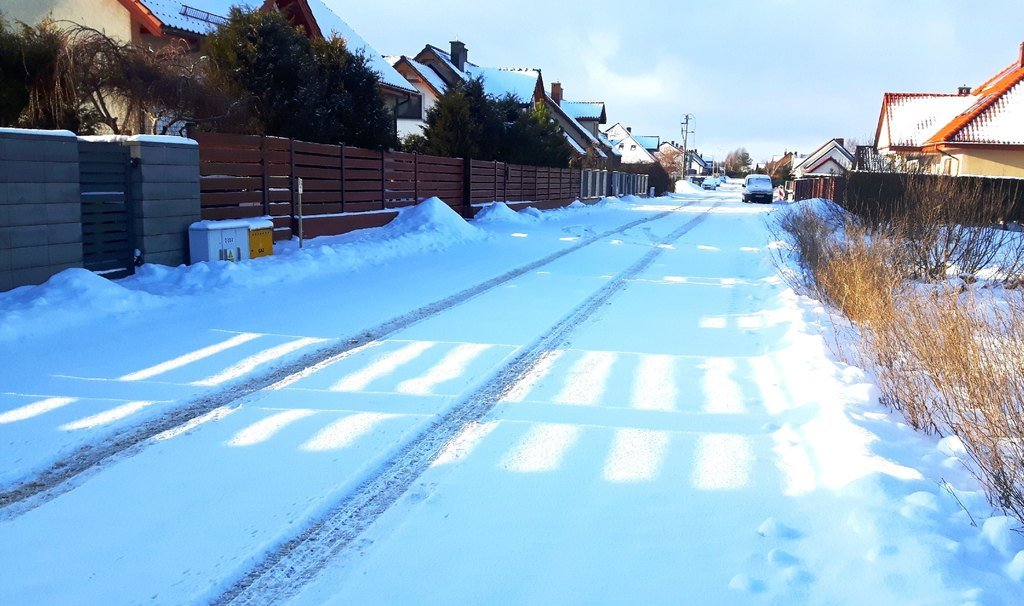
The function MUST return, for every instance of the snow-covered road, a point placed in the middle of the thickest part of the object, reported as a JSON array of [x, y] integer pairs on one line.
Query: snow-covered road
[[639, 415]]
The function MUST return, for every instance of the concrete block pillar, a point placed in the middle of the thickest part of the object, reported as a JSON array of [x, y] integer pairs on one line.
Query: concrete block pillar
[[165, 193], [40, 206]]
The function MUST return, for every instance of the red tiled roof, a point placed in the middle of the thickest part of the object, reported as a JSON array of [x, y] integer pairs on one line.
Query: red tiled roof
[[997, 115]]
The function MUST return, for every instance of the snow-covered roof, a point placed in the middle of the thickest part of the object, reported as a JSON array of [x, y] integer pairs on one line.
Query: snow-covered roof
[[498, 81], [842, 156], [195, 19], [330, 23], [211, 14], [574, 144], [995, 117], [911, 118], [648, 142], [425, 71], [583, 110]]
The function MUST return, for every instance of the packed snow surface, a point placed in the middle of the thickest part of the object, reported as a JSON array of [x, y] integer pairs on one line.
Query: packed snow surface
[[692, 440]]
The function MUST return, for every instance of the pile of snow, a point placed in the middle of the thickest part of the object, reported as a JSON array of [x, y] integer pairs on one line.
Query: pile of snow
[[630, 198], [499, 212], [684, 186], [433, 216], [71, 297]]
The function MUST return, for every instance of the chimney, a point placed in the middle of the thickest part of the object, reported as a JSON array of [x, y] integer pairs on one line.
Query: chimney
[[963, 91], [556, 92], [841, 141], [1020, 59], [629, 129], [459, 55]]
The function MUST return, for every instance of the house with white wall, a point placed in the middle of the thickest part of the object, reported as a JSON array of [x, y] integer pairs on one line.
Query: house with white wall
[[832, 158], [627, 147]]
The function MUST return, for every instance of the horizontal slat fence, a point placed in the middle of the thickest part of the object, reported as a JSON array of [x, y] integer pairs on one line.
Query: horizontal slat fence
[[878, 195], [346, 188]]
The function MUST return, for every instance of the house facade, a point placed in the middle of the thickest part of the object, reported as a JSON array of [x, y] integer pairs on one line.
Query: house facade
[[831, 159], [976, 131], [627, 147]]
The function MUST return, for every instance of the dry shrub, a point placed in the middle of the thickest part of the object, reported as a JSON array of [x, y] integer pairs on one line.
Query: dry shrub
[[946, 224], [961, 372], [948, 358]]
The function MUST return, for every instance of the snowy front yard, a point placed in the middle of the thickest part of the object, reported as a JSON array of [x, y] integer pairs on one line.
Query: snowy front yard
[[615, 404]]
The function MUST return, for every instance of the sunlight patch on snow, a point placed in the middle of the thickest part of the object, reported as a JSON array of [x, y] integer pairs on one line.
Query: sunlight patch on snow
[[722, 395], [527, 382], [520, 235], [713, 322], [452, 366], [708, 248], [214, 415], [654, 386], [264, 429], [616, 242], [750, 322], [311, 370], [723, 462], [199, 354], [675, 279], [34, 409], [750, 249], [792, 460], [568, 239], [249, 364], [108, 416], [586, 381], [636, 455], [542, 449], [382, 367], [464, 443], [343, 433]]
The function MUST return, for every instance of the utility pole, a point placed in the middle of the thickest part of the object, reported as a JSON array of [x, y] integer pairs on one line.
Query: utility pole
[[684, 126]]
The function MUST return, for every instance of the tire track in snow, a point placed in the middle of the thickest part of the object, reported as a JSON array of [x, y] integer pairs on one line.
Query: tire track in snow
[[296, 562], [64, 475]]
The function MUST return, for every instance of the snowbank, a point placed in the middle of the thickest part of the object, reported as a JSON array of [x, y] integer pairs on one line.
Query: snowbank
[[75, 296], [68, 298], [499, 212]]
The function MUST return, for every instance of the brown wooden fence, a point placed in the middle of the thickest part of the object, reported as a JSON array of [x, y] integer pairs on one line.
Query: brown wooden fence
[[876, 195], [346, 188]]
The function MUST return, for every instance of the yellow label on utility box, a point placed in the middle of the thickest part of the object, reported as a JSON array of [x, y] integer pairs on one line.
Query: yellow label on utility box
[[261, 242]]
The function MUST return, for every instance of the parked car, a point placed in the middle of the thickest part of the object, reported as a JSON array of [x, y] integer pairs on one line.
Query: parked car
[[710, 183], [758, 188]]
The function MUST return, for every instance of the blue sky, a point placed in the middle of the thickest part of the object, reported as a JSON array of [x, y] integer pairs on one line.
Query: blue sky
[[769, 75]]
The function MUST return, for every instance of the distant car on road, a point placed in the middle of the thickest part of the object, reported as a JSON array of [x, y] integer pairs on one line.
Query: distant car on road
[[758, 188], [710, 183]]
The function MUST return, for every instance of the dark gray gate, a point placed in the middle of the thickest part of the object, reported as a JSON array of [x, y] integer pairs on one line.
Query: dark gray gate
[[107, 236]]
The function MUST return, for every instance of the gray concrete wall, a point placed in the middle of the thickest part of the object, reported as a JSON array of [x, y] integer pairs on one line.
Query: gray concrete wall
[[165, 190], [40, 206]]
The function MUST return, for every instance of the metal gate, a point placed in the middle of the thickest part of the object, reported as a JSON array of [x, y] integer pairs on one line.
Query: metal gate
[[107, 234]]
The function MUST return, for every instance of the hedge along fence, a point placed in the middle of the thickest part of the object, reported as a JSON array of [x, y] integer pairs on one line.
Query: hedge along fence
[[347, 188], [877, 195]]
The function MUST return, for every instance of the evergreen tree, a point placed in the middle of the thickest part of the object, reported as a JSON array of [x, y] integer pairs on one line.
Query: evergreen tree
[[451, 129], [540, 140], [467, 122], [310, 90]]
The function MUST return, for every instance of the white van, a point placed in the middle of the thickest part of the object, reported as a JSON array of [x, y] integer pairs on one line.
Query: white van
[[758, 188]]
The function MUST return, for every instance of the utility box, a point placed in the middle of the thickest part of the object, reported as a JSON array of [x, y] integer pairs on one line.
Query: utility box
[[218, 241], [261, 238]]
